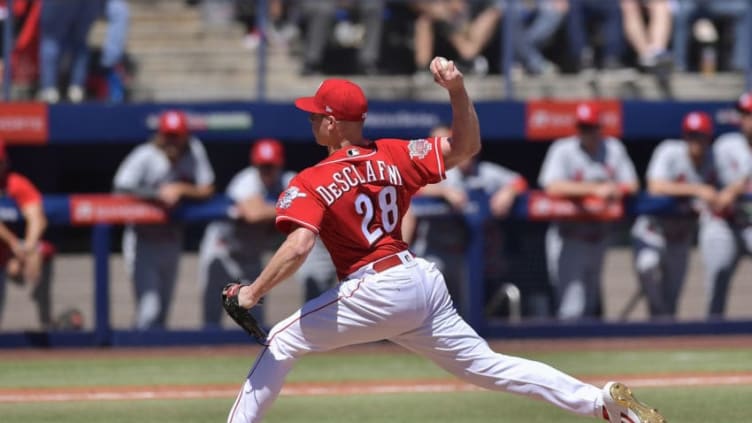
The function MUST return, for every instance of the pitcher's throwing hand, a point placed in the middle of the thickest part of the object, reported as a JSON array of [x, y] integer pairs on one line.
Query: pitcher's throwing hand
[[445, 73]]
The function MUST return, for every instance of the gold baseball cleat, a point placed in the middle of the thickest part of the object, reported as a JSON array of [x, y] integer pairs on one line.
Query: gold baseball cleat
[[622, 406]]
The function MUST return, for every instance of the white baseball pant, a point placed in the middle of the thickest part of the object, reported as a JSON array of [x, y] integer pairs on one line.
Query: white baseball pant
[[409, 305]]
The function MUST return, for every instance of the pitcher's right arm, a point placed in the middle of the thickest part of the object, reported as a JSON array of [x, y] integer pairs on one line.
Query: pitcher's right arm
[[465, 140]]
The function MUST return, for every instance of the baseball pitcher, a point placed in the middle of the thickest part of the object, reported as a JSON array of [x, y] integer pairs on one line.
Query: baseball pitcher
[[354, 200]]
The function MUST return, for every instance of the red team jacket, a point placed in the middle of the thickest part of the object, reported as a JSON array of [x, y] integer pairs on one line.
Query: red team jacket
[[355, 198], [23, 192]]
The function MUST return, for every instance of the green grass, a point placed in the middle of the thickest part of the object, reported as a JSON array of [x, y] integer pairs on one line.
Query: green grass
[[325, 367], [730, 404], [637, 362], [687, 405]]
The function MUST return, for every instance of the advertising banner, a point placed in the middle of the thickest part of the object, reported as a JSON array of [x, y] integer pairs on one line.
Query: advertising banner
[[544, 207], [24, 123], [547, 120], [90, 209]]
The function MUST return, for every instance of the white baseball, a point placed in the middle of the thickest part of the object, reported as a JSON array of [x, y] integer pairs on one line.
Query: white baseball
[[442, 63]]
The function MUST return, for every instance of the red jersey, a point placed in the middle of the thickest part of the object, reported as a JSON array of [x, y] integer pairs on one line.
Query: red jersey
[[21, 190], [355, 198], [24, 193]]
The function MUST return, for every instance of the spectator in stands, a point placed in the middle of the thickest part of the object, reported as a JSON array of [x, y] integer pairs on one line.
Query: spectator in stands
[[467, 25], [683, 169], [25, 260], [586, 164], [738, 11], [280, 29], [537, 25], [725, 235], [65, 26], [606, 16], [322, 16], [648, 39], [169, 168], [234, 249], [439, 236], [117, 13], [25, 54]]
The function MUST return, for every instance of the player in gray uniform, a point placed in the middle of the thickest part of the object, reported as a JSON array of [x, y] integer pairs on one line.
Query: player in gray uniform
[[587, 164], [500, 184], [233, 249], [726, 234], [170, 167], [438, 239], [684, 169]]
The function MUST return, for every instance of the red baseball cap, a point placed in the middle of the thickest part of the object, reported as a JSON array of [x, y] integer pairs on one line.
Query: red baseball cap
[[267, 151], [745, 103], [699, 122], [339, 98], [173, 122], [588, 114]]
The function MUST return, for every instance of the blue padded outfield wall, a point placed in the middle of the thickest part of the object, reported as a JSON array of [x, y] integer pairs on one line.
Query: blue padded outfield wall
[[237, 122]]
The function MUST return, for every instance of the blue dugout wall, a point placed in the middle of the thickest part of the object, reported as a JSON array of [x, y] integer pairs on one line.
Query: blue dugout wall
[[501, 122], [58, 209]]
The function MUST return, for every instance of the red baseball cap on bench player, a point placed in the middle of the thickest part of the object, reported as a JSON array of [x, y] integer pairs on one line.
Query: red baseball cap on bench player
[[744, 104], [588, 114], [173, 122], [267, 151], [336, 97], [697, 122]]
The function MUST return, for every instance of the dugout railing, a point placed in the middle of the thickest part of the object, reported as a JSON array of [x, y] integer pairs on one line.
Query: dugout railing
[[102, 211]]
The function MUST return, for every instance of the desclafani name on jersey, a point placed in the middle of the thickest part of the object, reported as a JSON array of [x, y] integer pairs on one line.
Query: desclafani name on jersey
[[351, 177]]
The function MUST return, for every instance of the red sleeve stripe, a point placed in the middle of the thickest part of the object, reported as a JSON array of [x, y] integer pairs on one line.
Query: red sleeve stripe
[[299, 222], [439, 157]]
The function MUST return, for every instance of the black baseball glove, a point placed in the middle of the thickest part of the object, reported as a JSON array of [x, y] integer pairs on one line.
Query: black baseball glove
[[240, 315]]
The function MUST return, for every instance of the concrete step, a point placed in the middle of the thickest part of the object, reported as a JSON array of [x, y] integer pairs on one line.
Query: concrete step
[[175, 31], [169, 94], [295, 86], [191, 58], [240, 64], [136, 45], [285, 87], [637, 86], [158, 52], [213, 78]]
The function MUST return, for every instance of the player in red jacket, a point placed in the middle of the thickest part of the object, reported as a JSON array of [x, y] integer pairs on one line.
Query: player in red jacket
[[25, 260], [355, 200]]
